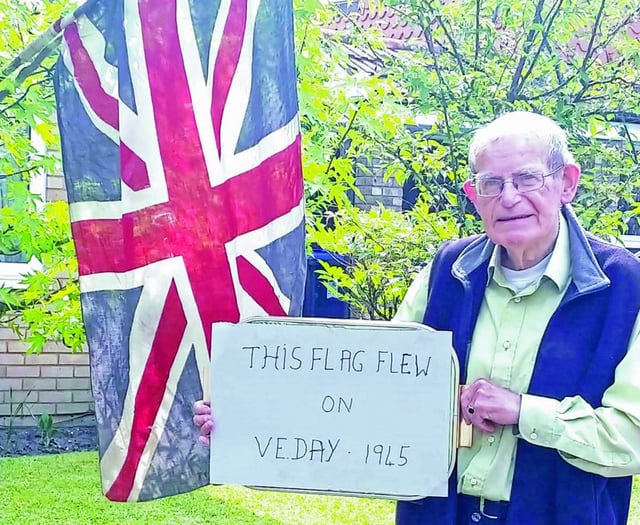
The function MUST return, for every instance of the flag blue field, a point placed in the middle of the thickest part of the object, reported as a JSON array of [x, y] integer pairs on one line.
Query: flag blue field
[[181, 153]]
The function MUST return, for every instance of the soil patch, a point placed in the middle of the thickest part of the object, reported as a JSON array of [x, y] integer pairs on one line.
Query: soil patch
[[28, 441]]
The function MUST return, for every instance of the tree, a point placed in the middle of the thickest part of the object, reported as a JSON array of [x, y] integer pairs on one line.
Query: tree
[[573, 60], [46, 305]]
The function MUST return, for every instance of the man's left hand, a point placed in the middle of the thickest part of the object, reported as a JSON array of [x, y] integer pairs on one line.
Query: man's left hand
[[485, 405]]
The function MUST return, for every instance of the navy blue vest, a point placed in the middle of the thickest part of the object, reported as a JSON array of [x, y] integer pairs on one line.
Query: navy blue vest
[[585, 339]]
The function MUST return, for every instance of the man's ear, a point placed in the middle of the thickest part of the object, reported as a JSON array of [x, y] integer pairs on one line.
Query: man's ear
[[470, 191], [570, 180]]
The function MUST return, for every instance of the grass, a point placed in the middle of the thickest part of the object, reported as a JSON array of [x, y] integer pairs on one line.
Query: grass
[[65, 489]]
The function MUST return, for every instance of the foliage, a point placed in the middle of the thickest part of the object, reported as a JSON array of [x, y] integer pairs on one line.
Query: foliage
[[14, 412], [348, 116], [383, 250], [45, 307], [573, 60], [47, 428]]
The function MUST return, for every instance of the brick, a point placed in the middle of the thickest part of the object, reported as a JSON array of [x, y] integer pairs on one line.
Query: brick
[[11, 359], [392, 192], [364, 180], [54, 396], [81, 371], [10, 383], [16, 346], [5, 410], [80, 396], [20, 396], [55, 183], [376, 191], [3, 347], [6, 334], [38, 383], [23, 371], [57, 348], [378, 180], [77, 383], [57, 371], [72, 408], [40, 408], [56, 195], [40, 359], [3, 371], [74, 359]]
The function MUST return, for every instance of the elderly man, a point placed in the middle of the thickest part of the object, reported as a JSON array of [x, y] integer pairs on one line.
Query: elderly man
[[545, 325], [544, 320]]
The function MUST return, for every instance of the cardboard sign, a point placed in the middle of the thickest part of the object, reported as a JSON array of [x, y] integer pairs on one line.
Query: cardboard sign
[[352, 407]]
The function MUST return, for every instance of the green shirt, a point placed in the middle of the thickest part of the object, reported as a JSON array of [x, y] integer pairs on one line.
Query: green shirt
[[604, 440]]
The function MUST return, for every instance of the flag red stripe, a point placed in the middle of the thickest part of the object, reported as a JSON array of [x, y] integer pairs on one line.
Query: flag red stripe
[[103, 104], [151, 390], [227, 63], [133, 169], [259, 287]]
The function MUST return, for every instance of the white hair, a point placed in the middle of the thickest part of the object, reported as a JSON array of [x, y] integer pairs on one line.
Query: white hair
[[525, 124]]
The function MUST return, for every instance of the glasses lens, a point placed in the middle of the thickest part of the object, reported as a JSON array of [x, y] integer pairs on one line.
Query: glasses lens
[[489, 186], [528, 181]]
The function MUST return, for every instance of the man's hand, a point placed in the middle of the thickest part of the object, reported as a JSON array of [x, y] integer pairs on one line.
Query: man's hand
[[485, 405], [203, 419]]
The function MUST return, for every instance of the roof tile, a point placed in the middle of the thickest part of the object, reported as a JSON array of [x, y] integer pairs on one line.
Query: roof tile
[[388, 21], [394, 28]]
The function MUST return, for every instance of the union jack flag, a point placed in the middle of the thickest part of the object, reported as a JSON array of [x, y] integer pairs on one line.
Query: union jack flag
[[181, 152]]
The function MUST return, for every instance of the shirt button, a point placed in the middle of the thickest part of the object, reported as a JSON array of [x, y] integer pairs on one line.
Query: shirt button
[[491, 439], [506, 345], [533, 435], [474, 482], [476, 517], [517, 299]]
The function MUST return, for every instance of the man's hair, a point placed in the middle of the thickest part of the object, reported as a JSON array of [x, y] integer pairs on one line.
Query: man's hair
[[525, 124]]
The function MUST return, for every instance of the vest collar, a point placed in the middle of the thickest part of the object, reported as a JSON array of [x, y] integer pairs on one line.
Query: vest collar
[[587, 275]]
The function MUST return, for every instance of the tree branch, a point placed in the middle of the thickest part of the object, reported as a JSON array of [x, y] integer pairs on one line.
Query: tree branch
[[342, 139], [476, 46], [22, 97], [548, 23], [594, 32], [515, 81]]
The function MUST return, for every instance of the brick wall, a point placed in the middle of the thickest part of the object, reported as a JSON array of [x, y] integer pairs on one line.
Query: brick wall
[[55, 381], [376, 190]]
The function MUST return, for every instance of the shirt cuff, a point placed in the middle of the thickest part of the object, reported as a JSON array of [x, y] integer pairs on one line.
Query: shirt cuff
[[537, 422]]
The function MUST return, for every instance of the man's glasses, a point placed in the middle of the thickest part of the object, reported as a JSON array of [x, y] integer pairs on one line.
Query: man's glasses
[[489, 186]]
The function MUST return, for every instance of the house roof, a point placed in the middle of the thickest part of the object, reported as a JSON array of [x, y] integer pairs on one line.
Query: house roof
[[400, 33], [396, 31]]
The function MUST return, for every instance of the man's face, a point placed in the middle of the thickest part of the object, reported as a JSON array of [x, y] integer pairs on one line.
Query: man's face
[[525, 224]]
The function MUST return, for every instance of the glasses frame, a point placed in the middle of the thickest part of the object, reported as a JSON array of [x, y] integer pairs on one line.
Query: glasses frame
[[474, 182]]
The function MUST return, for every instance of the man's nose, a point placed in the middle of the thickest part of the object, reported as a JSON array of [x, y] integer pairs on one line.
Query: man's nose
[[510, 195]]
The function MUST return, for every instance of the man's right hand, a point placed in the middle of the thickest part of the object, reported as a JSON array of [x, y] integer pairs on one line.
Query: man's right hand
[[204, 420]]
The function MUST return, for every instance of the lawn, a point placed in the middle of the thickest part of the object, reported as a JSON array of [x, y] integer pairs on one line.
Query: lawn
[[65, 489]]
